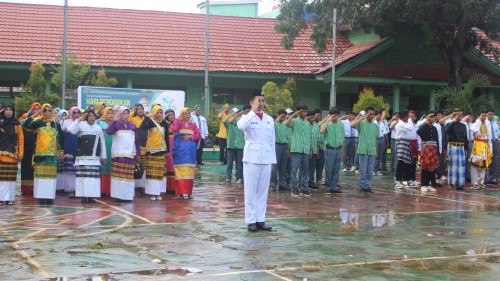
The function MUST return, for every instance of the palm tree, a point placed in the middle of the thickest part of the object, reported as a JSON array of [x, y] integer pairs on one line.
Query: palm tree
[[464, 98]]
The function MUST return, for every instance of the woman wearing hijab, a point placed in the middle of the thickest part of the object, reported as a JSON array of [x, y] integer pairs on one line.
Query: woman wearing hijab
[[27, 171], [184, 153], [104, 122], [63, 115], [90, 153], [169, 118], [125, 152], [49, 146], [157, 148], [11, 152], [99, 108], [136, 119], [68, 176]]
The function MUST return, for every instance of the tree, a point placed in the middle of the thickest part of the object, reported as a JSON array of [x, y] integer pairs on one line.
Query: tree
[[34, 90], [101, 79], [276, 97], [465, 99], [291, 85], [367, 98], [213, 123], [76, 74], [447, 24]]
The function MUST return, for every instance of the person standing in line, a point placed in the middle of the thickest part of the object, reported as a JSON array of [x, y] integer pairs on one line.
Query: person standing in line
[[169, 118], [405, 157], [380, 161], [99, 109], [458, 146], [491, 125], [230, 146], [137, 117], [313, 158], [289, 113], [279, 170], [481, 154], [125, 153], [368, 134], [496, 147], [320, 162], [201, 122], [429, 157], [27, 170], [239, 142], [11, 153], [392, 126], [414, 148], [157, 149], [222, 135], [68, 176], [48, 150], [258, 157], [106, 119], [334, 132], [91, 152], [467, 121], [300, 150], [349, 143], [184, 150]]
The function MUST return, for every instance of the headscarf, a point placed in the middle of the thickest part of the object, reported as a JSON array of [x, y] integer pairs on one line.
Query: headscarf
[[135, 109], [90, 112], [119, 112], [181, 117], [33, 105], [155, 110], [73, 108], [226, 105], [115, 108], [98, 105], [9, 120], [168, 111], [51, 118]]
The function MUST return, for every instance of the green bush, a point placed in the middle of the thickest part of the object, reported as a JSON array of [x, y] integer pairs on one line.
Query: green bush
[[367, 98]]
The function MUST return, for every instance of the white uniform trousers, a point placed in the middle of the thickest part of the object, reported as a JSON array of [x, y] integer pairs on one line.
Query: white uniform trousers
[[256, 181]]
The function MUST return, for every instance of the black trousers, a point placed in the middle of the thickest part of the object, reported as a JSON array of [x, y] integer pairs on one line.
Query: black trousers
[[403, 171], [199, 151], [222, 150], [428, 178]]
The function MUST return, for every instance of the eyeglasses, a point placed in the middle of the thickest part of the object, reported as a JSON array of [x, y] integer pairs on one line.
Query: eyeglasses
[[76, 112], [47, 110]]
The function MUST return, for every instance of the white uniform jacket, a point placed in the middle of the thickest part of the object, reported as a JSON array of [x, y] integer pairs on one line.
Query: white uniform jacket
[[259, 138]]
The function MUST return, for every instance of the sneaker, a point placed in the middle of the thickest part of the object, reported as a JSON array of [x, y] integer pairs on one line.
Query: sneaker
[[346, 170], [424, 189], [356, 171], [239, 181], [482, 186], [431, 189], [328, 193], [379, 173], [412, 184], [295, 194], [405, 183], [416, 182], [228, 180], [306, 193], [443, 178], [152, 198], [399, 185], [159, 198], [374, 174], [353, 168], [475, 187]]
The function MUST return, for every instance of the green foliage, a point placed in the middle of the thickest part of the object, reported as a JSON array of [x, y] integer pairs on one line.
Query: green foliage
[[291, 85], [34, 91], [213, 122], [367, 98], [447, 24], [76, 74], [276, 97], [464, 98], [100, 79]]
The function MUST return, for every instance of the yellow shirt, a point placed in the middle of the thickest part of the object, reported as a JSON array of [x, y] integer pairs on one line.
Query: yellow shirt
[[222, 128]]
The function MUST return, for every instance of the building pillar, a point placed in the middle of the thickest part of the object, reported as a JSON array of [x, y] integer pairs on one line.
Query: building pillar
[[432, 99], [129, 81], [395, 98]]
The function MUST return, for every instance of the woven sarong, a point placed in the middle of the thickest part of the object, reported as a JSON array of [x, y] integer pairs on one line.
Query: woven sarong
[[46, 170], [429, 158], [122, 170], [8, 171], [155, 167], [83, 171], [456, 169], [404, 152]]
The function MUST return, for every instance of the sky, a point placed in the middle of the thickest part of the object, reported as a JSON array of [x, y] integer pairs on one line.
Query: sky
[[184, 6]]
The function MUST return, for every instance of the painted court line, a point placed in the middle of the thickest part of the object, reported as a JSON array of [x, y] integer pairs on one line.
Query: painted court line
[[126, 212], [431, 196]]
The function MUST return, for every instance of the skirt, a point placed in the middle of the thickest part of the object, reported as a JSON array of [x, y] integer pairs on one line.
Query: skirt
[[429, 158], [8, 178], [88, 181], [184, 178], [122, 180], [156, 181], [404, 153], [45, 180]]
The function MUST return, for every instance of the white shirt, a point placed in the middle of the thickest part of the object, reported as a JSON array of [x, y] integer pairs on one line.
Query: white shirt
[[469, 133], [84, 128], [440, 136], [202, 127], [393, 130], [259, 138], [347, 128], [476, 130], [405, 130]]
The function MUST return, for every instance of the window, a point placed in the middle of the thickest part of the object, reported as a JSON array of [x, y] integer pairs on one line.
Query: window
[[233, 95]]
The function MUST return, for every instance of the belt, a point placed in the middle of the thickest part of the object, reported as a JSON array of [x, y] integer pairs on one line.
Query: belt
[[480, 140], [281, 143], [351, 137], [456, 143], [334, 148]]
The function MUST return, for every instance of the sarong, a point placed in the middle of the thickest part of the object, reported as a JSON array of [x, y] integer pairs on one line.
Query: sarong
[[156, 182], [456, 166], [8, 178], [45, 180], [184, 156], [481, 155], [122, 178], [404, 152], [88, 181], [429, 158]]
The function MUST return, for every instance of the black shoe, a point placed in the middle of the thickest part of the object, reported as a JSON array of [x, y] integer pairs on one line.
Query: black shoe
[[91, 200], [460, 188], [338, 191], [306, 193], [252, 227], [201, 164], [8, 203], [262, 226]]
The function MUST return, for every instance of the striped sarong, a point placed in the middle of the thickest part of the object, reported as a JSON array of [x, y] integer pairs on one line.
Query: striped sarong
[[404, 153], [155, 167], [122, 170], [46, 170], [456, 165], [8, 171], [83, 171], [69, 164]]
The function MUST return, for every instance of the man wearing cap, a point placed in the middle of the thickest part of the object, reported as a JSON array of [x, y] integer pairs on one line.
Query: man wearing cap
[[456, 135], [222, 135], [201, 122], [258, 157]]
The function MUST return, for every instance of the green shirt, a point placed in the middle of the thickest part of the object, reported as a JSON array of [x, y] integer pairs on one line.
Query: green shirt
[[239, 140], [321, 139], [282, 132], [334, 134], [231, 134], [301, 136], [314, 137], [368, 134]]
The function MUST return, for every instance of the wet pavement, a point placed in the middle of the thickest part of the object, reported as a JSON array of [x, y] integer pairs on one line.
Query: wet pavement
[[397, 235]]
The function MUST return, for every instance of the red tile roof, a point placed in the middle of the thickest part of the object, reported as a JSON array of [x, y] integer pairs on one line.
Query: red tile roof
[[153, 39], [494, 44]]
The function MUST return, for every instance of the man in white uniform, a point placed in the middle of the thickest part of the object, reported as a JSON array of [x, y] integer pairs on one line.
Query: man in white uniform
[[258, 157], [201, 122]]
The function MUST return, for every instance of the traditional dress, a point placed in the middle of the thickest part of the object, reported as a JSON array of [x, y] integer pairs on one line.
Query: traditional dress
[[48, 142], [157, 147], [143, 135], [27, 171], [170, 161], [481, 154], [456, 135], [106, 168], [184, 154], [11, 149], [66, 177], [405, 154], [124, 149], [91, 149], [429, 157]]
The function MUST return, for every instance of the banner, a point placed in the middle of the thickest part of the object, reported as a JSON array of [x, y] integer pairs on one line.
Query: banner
[[168, 99]]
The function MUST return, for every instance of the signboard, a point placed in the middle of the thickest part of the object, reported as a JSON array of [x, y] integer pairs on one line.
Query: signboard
[[168, 99]]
